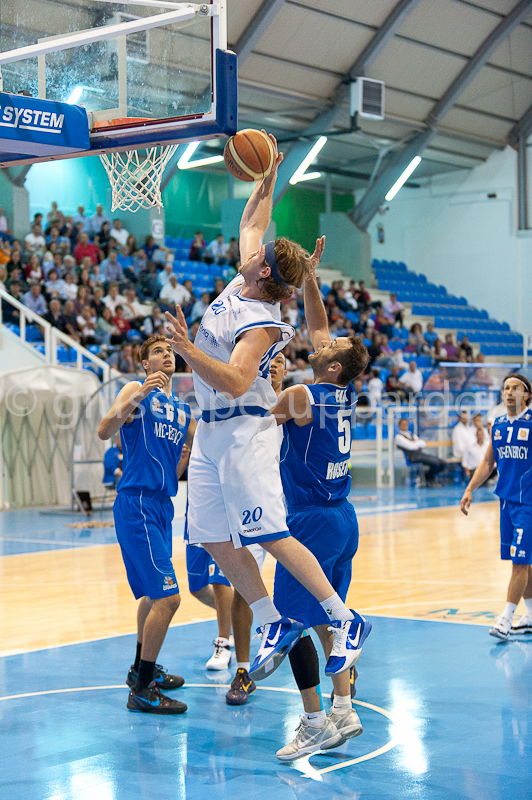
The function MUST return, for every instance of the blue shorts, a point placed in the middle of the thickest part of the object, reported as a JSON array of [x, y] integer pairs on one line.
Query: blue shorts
[[143, 526], [331, 533], [202, 569], [516, 532]]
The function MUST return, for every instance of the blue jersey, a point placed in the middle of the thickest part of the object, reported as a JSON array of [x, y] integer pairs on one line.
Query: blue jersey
[[512, 446], [315, 457], [152, 444]]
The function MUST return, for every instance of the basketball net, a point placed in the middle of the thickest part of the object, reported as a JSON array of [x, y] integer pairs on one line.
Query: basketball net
[[136, 176]]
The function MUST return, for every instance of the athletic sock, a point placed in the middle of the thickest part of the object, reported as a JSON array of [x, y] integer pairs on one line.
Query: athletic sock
[[528, 604], [341, 704], [335, 609], [145, 677], [316, 719], [243, 665], [264, 611], [137, 657], [509, 610]]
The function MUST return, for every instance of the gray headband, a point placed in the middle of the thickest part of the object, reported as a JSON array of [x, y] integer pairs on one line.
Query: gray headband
[[269, 253]]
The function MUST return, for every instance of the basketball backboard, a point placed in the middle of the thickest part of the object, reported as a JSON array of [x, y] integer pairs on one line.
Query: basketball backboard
[[148, 72]]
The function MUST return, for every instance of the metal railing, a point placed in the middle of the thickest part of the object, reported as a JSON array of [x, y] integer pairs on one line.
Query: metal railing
[[52, 337]]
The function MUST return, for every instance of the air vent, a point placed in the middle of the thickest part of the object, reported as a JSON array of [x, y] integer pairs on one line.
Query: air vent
[[137, 44], [367, 98]]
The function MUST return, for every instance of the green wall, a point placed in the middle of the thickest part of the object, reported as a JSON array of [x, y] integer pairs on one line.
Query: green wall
[[192, 201], [297, 214]]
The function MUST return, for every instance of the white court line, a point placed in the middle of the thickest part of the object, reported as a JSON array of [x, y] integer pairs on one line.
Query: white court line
[[366, 511], [44, 541]]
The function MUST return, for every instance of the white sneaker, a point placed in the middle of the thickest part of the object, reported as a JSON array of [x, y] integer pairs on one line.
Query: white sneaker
[[348, 724], [524, 626], [221, 658], [502, 628], [348, 638], [310, 740]]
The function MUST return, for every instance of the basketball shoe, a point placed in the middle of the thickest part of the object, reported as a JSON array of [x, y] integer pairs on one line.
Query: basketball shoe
[[277, 639], [221, 658], [348, 725], [524, 626], [161, 677], [241, 687], [501, 629], [151, 701], [348, 638], [309, 740]]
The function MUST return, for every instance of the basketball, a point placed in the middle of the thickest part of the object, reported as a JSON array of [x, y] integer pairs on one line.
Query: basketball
[[249, 155]]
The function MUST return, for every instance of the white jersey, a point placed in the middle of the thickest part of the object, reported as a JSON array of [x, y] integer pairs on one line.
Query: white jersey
[[225, 320]]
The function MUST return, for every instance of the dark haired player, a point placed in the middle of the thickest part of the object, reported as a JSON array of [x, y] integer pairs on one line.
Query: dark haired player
[[154, 425], [510, 451], [316, 481]]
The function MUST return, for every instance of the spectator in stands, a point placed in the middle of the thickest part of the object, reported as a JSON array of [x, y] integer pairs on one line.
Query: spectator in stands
[[416, 331], [122, 360], [87, 326], [119, 233], [3, 277], [412, 379], [112, 464], [56, 284], [233, 253], [86, 222], [439, 353], [393, 309], [364, 411], [375, 387], [395, 391], [34, 300], [362, 322], [413, 345], [71, 287], [133, 311], [413, 447], [83, 298], [475, 451], [197, 248], [15, 260], [362, 295], [106, 331], [450, 348], [103, 238], [113, 299], [9, 312], [163, 278], [17, 277], [173, 294], [112, 268], [292, 312], [154, 324], [302, 373], [55, 316], [147, 285], [86, 248], [125, 259], [98, 219], [216, 250], [384, 324], [71, 323], [462, 435], [200, 307], [62, 243], [97, 302], [35, 242], [131, 243], [3, 221], [300, 346], [219, 286], [480, 375], [55, 216], [121, 322], [430, 335], [466, 348], [33, 270]]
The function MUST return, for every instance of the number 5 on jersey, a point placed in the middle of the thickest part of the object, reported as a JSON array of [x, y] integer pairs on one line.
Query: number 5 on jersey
[[344, 431]]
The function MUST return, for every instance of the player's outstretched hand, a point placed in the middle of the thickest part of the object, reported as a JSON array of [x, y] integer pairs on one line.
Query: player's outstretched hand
[[315, 258], [178, 330], [157, 380], [466, 501]]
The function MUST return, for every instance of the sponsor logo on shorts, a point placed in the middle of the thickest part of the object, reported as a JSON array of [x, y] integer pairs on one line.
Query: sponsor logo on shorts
[[168, 583], [252, 530], [513, 550], [522, 433], [521, 554], [211, 570]]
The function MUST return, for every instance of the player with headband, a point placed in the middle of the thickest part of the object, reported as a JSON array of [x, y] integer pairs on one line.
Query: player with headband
[[235, 490], [511, 451]]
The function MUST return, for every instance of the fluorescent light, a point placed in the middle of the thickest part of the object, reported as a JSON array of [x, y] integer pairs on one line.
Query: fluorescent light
[[185, 163], [403, 177], [299, 174], [308, 176], [76, 94]]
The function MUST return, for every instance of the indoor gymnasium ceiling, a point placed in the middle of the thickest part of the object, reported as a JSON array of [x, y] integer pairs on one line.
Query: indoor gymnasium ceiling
[[294, 56]]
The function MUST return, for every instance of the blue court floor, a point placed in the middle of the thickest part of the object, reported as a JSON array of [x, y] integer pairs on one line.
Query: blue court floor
[[447, 714]]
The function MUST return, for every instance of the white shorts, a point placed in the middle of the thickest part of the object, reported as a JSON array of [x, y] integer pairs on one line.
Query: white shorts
[[234, 484]]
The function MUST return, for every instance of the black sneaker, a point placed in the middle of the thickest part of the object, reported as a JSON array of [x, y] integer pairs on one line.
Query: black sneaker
[[151, 701], [241, 687], [353, 675], [161, 677]]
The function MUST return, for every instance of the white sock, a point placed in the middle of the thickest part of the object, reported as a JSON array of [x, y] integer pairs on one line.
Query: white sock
[[243, 665], [335, 608], [264, 611], [509, 610], [341, 703], [316, 718], [528, 604]]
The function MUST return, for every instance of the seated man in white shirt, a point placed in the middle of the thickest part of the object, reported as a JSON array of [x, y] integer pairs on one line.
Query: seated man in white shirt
[[174, 294], [462, 436], [35, 242], [412, 378], [475, 452], [113, 299], [375, 387], [217, 250], [413, 447], [118, 232]]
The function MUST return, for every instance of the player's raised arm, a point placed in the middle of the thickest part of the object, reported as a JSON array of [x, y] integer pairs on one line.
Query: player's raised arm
[[480, 476], [315, 315], [127, 401], [258, 211]]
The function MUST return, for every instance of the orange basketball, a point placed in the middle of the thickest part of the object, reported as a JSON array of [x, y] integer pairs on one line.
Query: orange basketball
[[249, 155]]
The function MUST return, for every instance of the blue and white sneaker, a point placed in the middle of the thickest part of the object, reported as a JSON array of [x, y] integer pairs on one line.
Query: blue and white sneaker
[[278, 638], [348, 638]]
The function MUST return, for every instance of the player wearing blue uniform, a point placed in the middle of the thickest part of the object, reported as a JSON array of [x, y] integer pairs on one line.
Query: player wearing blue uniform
[[154, 425], [316, 480], [510, 451], [234, 474]]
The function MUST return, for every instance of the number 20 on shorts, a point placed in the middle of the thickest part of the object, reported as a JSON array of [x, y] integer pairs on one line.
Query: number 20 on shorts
[[254, 515]]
